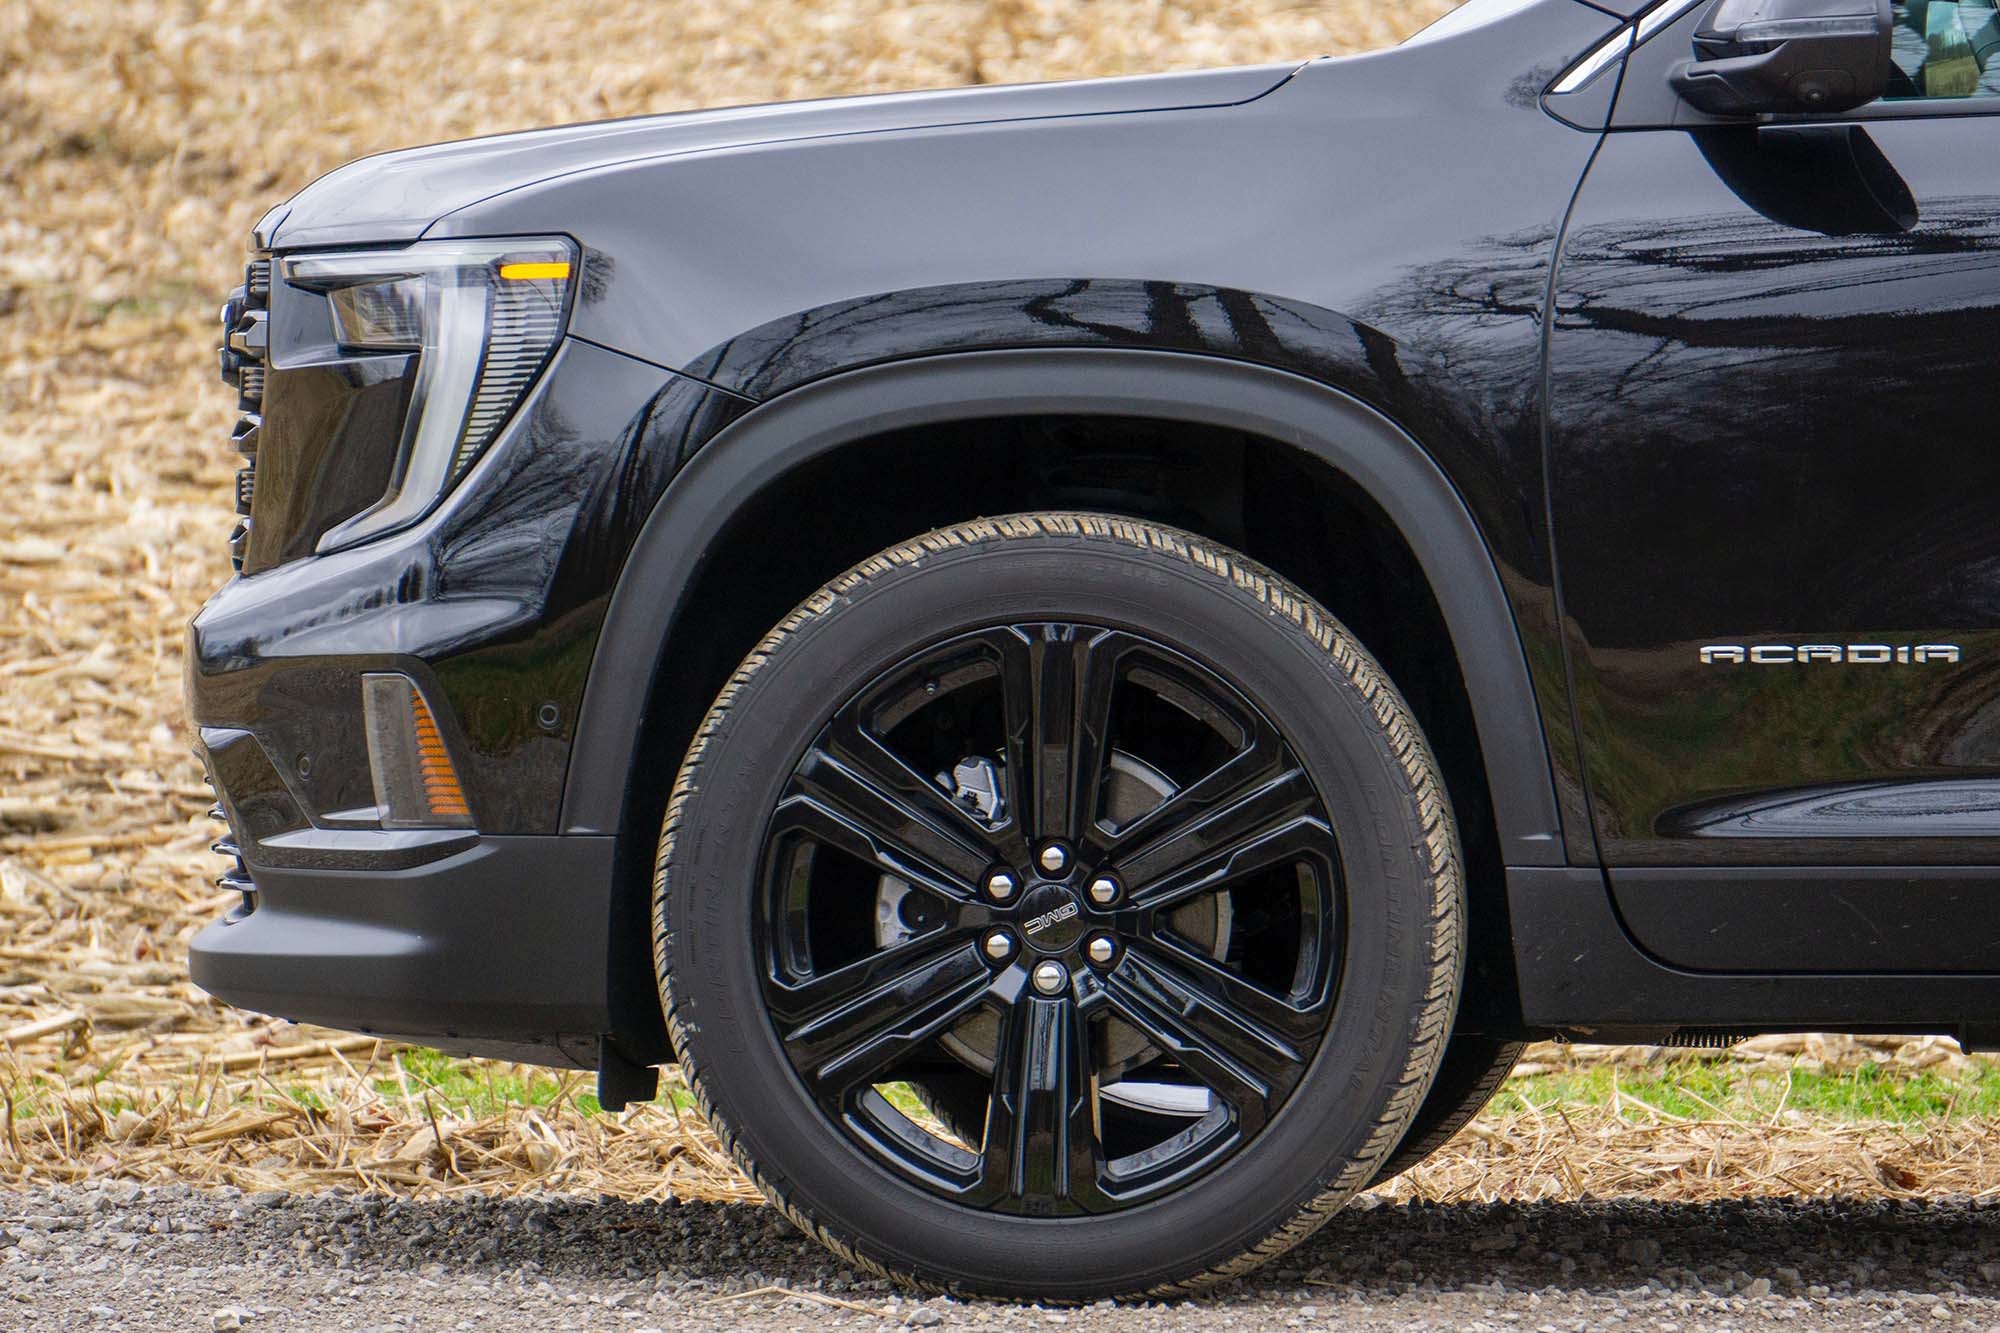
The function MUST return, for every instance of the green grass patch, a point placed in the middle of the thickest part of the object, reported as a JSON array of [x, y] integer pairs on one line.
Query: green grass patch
[[478, 1088], [904, 1098], [1697, 1089], [307, 1097], [32, 1096], [475, 1088], [1685, 1087]]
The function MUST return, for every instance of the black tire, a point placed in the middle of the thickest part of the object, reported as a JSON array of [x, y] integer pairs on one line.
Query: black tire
[[1472, 1070], [1368, 911]]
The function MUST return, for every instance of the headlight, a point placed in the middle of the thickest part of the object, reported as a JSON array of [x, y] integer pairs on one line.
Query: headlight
[[482, 317]]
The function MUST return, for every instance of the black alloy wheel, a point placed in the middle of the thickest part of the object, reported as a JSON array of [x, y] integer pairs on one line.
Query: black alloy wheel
[[1099, 865], [1021, 935]]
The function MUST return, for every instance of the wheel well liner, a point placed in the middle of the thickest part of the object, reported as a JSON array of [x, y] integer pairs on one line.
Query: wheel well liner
[[622, 717], [1341, 432]]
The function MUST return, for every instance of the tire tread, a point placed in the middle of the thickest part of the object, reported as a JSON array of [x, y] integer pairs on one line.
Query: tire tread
[[1437, 852]]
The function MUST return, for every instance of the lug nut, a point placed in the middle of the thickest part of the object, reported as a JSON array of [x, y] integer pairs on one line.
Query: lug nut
[[1054, 858], [1050, 977], [1000, 886], [1103, 890], [1102, 950], [998, 945]]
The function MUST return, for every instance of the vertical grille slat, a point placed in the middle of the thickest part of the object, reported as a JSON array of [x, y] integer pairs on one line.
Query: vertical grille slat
[[250, 388], [236, 875], [242, 361]]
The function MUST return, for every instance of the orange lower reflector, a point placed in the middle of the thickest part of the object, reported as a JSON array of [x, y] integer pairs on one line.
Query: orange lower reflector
[[416, 784]]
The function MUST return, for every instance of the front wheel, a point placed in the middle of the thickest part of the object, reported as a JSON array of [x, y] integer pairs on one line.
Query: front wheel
[[1106, 837]]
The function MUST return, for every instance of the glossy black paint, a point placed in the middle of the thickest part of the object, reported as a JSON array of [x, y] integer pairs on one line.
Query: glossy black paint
[[492, 606], [1769, 422], [395, 197], [1438, 327], [819, 422], [1756, 415], [254, 797]]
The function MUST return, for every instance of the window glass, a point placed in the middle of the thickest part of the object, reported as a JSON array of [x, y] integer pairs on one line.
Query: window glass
[[1944, 49]]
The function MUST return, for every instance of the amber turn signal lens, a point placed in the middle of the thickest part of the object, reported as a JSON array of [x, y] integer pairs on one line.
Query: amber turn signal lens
[[416, 783], [441, 790], [525, 272]]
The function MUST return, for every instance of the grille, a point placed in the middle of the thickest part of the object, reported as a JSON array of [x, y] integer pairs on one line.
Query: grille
[[245, 339], [237, 875], [1703, 1039]]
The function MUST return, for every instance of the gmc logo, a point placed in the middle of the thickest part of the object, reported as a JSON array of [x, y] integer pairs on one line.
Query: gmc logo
[[1036, 924]]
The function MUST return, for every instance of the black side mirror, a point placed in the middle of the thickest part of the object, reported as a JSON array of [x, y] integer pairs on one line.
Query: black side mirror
[[1757, 56]]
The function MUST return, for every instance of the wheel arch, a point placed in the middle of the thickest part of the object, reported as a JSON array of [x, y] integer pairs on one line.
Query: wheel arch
[[632, 676]]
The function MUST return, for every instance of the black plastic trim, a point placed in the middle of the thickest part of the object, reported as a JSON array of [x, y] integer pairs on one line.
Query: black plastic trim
[[1815, 918], [255, 798], [1582, 976], [622, 1080], [362, 849], [1339, 431], [500, 949]]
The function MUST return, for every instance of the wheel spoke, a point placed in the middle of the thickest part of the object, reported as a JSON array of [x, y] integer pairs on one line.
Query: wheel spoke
[[852, 1022], [1057, 685], [1261, 758], [856, 749], [1260, 824], [891, 815], [871, 845], [1041, 1152], [1245, 1045]]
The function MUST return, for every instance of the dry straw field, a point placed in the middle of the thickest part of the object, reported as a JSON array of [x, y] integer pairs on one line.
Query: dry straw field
[[141, 139]]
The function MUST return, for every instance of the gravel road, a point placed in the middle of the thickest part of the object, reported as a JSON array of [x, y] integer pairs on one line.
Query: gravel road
[[174, 1257]]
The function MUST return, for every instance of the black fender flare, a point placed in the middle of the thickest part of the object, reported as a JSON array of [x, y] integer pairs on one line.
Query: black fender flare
[[1341, 432]]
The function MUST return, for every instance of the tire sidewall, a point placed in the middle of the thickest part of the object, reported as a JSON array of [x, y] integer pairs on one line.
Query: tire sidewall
[[1329, 1135]]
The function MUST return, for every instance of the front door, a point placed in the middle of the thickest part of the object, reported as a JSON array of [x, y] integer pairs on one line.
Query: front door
[[1774, 436]]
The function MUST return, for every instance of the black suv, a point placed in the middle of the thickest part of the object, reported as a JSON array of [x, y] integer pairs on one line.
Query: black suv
[[1091, 659]]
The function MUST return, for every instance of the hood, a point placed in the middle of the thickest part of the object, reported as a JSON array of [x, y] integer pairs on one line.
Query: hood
[[393, 197]]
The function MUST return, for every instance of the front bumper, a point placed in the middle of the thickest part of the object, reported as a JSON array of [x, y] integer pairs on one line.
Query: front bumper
[[489, 941], [492, 940], [497, 946]]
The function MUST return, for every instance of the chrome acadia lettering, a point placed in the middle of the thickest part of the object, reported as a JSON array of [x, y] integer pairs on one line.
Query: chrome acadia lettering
[[1859, 654]]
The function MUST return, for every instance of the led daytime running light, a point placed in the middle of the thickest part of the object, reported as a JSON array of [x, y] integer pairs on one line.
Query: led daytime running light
[[484, 316]]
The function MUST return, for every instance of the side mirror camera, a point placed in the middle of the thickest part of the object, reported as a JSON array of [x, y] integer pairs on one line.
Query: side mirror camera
[[1758, 56]]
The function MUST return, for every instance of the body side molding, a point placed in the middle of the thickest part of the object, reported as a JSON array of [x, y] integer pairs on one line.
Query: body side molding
[[1582, 975], [1331, 427], [1814, 918]]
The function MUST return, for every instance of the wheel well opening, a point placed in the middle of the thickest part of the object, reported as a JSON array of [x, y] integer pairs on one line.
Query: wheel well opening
[[1265, 499]]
